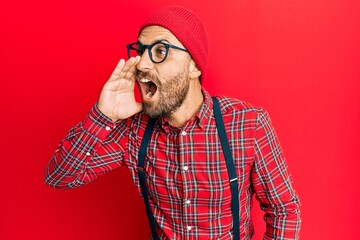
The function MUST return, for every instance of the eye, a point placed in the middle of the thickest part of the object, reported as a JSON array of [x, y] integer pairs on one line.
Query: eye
[[161, 51], [138, 50]]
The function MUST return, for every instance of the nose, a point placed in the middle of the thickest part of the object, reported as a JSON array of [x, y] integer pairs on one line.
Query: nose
[[145, 64]]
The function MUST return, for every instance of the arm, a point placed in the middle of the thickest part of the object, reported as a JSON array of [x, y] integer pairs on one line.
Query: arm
[[94, 147], [273, 185], [88, 151]]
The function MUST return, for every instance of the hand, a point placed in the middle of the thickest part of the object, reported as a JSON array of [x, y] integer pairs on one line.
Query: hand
[[117, 98]]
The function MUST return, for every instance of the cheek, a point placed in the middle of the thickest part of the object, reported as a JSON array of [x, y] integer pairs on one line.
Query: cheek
[[176, 70], [172, 71]]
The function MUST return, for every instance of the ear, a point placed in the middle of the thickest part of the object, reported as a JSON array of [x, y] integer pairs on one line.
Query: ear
[[194, 71]]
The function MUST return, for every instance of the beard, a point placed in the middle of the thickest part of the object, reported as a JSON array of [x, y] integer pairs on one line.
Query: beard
[[172, 93]]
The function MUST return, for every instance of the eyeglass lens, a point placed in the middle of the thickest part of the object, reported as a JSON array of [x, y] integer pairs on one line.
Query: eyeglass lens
[[158, 51]]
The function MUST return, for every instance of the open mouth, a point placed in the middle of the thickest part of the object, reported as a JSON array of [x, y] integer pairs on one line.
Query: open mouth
[[148, 88]]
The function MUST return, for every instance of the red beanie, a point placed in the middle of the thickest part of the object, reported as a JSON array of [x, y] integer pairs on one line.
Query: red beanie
[[187, 27]]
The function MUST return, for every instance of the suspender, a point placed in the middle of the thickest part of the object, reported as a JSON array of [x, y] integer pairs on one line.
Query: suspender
[[230, 167], [142, 153], [229, 164]]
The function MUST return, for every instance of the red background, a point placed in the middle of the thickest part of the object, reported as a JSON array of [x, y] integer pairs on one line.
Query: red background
[[300, 60]]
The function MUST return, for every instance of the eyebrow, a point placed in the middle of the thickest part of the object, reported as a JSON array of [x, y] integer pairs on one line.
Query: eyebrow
[[158, 40], [163, 40]]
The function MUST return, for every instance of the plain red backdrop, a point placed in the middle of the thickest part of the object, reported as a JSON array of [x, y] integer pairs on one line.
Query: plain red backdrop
[[300, 60]]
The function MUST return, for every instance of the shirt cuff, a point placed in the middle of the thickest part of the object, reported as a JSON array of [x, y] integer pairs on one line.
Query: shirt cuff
[[98, 124]]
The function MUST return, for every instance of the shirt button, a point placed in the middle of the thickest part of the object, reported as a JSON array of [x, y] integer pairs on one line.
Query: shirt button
[[183, 133], [107, 128], [185, 168], [188, 228], [87, 154], [187, 201]]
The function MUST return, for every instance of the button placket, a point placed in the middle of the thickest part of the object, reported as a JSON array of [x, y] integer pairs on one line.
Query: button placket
[[185, 167]]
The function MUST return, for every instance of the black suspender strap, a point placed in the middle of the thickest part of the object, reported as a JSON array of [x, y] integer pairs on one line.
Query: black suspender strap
[[229, 164], [230, 167], [142, 154]]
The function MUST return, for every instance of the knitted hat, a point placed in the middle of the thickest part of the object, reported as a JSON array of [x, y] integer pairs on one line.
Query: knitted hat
[[187, 27]]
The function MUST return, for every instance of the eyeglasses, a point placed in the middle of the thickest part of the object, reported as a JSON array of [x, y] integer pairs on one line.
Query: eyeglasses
[[158, 51]]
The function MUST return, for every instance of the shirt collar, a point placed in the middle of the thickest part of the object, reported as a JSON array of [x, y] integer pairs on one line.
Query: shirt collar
[[200, 119], [205, 112]]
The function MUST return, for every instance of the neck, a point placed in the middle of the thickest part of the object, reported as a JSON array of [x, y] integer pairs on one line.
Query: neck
[[190, 106]]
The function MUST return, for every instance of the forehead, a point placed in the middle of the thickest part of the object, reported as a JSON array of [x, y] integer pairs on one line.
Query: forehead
[[155, 33]]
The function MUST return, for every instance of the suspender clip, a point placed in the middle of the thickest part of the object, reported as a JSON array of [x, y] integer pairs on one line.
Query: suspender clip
[[233, 180]]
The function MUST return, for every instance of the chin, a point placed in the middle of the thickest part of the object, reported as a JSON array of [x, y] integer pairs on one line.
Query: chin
[[149, 110]]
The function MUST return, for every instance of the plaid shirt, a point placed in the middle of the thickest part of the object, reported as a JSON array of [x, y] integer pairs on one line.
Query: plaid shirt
[[188, 185]]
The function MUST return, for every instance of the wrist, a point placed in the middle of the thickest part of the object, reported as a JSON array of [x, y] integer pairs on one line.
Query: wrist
[[105, 114]]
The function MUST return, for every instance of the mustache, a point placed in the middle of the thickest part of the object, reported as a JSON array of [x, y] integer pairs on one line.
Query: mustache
[[139, 75]]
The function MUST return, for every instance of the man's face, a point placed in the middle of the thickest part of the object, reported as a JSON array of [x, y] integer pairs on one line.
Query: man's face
[[164, 86]]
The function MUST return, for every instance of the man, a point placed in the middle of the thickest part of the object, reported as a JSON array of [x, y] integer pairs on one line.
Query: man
[[180, 164]]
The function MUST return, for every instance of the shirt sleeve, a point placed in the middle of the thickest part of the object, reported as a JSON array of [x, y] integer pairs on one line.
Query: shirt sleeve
[[273, 184], [92, 148]]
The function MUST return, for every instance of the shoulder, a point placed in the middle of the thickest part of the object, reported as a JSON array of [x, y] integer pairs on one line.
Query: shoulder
[[243, 112], [240, 113], [230, 105]]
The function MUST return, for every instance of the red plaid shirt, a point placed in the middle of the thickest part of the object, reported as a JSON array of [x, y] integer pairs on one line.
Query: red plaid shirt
[[186, 173]]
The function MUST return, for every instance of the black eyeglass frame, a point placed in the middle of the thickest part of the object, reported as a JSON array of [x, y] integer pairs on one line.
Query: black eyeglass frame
[[149, 47]]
